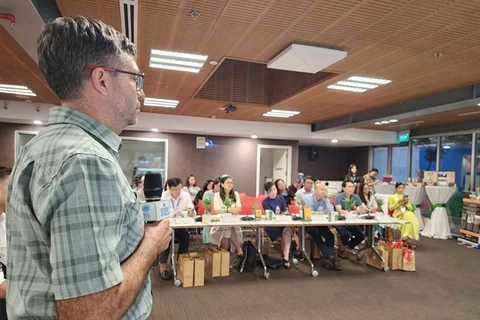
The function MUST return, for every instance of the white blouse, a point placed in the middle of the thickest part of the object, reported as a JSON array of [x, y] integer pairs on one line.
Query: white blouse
[[218, 203]]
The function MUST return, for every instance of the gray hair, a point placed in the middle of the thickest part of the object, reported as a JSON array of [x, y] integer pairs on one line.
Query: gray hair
[[67, 45]]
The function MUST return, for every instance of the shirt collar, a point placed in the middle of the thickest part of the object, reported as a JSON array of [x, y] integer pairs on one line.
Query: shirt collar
[[64, 115]]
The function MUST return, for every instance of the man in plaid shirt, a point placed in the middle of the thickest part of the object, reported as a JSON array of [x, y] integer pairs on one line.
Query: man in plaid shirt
[[77, 244]]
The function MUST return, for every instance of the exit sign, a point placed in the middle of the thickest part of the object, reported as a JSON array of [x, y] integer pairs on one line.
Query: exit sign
[[403, 137]]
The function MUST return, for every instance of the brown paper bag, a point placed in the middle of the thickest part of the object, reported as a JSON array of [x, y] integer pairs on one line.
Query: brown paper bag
[[199, 269], [186, 270], [224, 263], [213, 259], [373, 260], [395, 258], [316, 254], [408, 260], [266, 243], [308, 245]]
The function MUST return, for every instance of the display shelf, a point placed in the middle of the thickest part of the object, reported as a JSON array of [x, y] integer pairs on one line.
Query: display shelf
[[470, 223]]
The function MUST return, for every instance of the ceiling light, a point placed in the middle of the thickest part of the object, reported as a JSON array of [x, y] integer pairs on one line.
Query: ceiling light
[[175, 68], [163, 103], [393, 120], [384, 122], [357, 84], [378, 123], [14, 89], [478, 104], [276, 115], [281, 113], [38, 122], [254, 136], [446, 147], [353, 89], [285, 112], [177, 61], [334, 140], [154, 129], [369, 80]]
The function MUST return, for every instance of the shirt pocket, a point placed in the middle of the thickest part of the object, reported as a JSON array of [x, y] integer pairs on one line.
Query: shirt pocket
[[132, 230]]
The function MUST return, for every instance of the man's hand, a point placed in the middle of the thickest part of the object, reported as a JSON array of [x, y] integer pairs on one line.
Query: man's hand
[[191, 213], [160, 233]]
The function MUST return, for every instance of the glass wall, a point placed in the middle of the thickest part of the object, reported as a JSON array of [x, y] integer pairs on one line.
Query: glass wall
[[380, 160], [424, 156], [138, 157], [400, 164]]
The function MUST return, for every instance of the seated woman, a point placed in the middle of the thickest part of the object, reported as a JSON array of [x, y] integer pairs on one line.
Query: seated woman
[[368, 199], [191, 187], [282, 190], [208, 185], [271, 203], [222, 236], [402, 209]]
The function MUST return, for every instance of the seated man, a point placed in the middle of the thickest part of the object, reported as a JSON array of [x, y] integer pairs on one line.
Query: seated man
[[179, 201], [350, 236], [318, 201], [307, 188]]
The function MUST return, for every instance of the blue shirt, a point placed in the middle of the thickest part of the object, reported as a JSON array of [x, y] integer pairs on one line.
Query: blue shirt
[[271, 204], [339, 200], [312, 202]]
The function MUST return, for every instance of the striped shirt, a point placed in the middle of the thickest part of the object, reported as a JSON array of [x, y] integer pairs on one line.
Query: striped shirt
[[72, 218]]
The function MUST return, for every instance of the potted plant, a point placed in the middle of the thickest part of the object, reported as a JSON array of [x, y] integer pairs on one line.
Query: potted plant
[[380, 203], [207, 203], [350, 203], [227, 203]]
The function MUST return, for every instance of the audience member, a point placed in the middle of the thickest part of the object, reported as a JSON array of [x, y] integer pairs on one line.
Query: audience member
[[138, 182], [272, 202], [319, 202], [77, 243], [351, 236], [307, 188], [208, 185], [210, 196], [180, 206], [295, 186], [371, 177], [351, 174], [367, 198], [284, 192], [402, 208], [222, 236], [191, 187]]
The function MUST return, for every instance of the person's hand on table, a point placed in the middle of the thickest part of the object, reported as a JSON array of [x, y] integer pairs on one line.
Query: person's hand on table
[[191, 213]]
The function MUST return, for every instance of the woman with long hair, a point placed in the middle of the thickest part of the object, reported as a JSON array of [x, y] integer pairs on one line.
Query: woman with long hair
[[191, 186], [208, 185], [403, 209], [224, 236], [352, 173], [282, 191], [367, 197]]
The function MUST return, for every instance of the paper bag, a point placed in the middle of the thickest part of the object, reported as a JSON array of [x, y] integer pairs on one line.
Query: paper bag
[[373, 260], [213, 259], [395, 258], [316, 251], [186, 270], [266, 243], [199, 269], [224, 263], [408, 260]]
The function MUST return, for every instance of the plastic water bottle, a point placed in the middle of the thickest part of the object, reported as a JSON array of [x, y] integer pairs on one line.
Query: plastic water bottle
[[277, 211]]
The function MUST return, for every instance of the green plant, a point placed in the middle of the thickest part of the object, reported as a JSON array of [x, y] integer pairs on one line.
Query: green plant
[[455, 204], [380, 203], [350, 203], [207, 203], [227, 203], [300, 201]]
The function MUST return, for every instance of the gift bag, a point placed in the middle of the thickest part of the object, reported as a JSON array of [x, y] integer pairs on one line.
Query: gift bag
[[395, 258], [213, 262], [408, 260], [186, 270], [224, 262], [373, 260]]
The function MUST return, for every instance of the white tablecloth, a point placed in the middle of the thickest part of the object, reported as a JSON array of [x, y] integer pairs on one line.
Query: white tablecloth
[[438, 227], [416, 195], [385, 188]]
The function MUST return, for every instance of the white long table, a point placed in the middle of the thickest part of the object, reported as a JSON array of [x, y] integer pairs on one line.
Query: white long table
[[370, 224]]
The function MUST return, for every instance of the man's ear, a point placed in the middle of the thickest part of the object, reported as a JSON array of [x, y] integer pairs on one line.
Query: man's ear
[[101, 80]]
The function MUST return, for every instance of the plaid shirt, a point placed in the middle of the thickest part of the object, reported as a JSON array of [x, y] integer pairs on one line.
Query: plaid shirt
[[72, 218]]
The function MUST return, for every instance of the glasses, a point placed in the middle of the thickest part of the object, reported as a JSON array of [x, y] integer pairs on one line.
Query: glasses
[[139, 77]]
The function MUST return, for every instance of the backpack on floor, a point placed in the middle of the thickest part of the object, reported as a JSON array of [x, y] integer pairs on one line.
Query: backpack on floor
[[247, 264]]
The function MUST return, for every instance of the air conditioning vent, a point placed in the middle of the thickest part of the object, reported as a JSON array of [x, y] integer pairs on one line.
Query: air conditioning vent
[[129, 15]]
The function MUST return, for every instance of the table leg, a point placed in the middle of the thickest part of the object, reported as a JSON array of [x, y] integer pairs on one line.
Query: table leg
[[266, 275], [307, 256], [176, 281]]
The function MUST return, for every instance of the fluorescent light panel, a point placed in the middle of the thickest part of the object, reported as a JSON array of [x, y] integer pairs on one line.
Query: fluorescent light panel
[[281, 113], [177, 61], [357, 84], [165, 103], [345, 88], [285, 111], [468, 113], [276, 115], [369, 80], [18, 90]]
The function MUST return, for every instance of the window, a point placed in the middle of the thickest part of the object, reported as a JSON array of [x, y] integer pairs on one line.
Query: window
[[424, 156], [456, 155], [400, 164], [380, 159]]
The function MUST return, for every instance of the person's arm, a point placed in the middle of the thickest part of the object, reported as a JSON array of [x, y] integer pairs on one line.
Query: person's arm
[[409, 205], [89, 278], [328, 205], [3, 285], [237, 206], [339, 209], [393, 203], [359, 204], [217, 204], [189, 205]]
